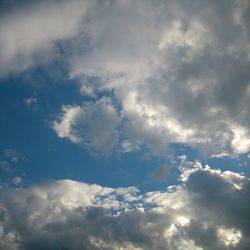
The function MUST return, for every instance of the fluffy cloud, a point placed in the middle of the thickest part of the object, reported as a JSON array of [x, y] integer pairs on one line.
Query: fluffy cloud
[[94, 124], [209, 210], [29, 31]]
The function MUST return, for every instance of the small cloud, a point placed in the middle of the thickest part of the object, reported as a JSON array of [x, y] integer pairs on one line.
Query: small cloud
[[31, 102], [223, 155], [12, 155], [10, 173], [5, 167], [17, 181], [63, 127], [87, 89], [230, 237], [94, 124], [128, 147]]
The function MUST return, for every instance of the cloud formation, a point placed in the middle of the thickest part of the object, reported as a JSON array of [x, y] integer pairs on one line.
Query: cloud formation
[[93, 124], [29, 31], [209, 210], [179, 70]]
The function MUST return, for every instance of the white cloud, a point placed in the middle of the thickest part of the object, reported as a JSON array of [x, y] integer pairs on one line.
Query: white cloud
[[10, 172], [186, 92], [27, 33], [94, 124], [17, 181], [31, 102], [241, 139], [63, 127], [229, 237], [195, 37]]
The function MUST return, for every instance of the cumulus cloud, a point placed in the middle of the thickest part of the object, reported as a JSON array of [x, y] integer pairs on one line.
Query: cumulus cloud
[[208, 210], [93, 124], [179, 70]]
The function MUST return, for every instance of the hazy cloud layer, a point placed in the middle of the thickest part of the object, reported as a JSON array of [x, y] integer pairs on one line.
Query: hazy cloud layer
[[209, 210]]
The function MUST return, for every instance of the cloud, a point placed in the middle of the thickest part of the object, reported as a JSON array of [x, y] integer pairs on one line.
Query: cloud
[[93, 124], [208, 210], [178, 70], [29, 31], [31, 102], [12, 155], [10, 172], [17, 181], [63, 127]]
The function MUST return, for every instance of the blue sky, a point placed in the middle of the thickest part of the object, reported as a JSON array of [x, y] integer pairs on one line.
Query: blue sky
[[124, 116]]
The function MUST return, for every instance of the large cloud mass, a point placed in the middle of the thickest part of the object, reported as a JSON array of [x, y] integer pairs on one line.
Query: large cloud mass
[[209, 210]]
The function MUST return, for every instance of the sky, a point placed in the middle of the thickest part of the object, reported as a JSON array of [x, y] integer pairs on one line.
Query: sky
[[125, 124]]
